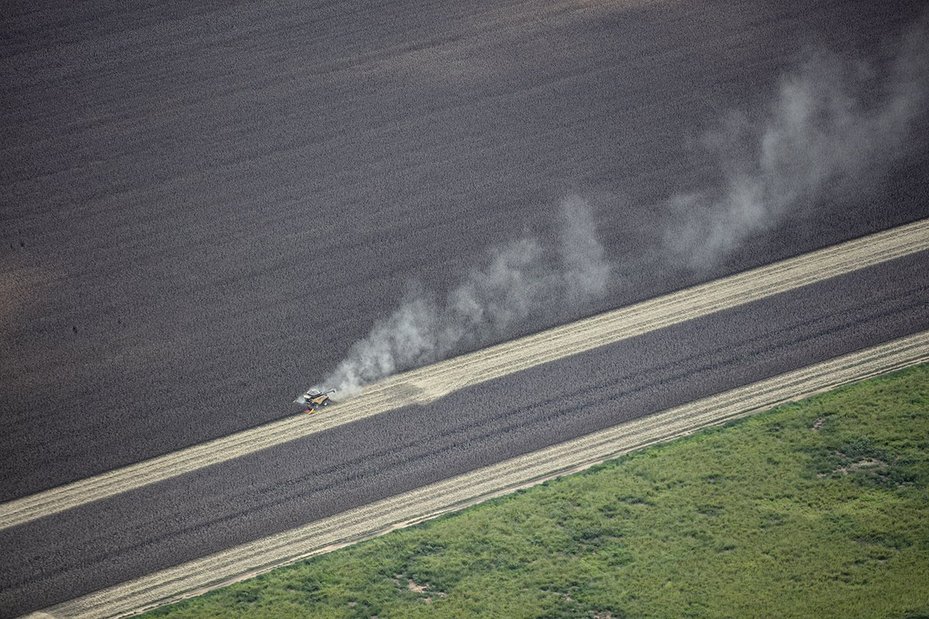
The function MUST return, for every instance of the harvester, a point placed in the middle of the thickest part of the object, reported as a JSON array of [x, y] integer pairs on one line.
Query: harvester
[[314, 399]]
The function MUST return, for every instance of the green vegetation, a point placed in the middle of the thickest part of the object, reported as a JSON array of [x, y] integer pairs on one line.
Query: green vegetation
[[815, 509]]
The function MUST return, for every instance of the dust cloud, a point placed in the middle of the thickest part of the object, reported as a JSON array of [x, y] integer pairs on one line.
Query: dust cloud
[[515, 283], [835, 126]]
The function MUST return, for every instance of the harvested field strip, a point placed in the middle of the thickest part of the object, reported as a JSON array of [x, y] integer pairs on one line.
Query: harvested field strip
[[814, 509], [437, 380], [455, 493]]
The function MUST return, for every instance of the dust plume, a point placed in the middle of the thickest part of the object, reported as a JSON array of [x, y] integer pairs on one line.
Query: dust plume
[[516, 282], [834, 128]]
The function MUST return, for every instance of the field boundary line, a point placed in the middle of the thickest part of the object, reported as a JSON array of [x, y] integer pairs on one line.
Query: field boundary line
[[254, 558], [437, 380]]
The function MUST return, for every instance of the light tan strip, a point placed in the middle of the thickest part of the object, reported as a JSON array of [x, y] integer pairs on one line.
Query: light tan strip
[[434, 381], [319, 537]]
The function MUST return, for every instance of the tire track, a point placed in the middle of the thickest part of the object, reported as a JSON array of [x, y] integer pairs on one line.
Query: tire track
[[434, 381], [377, 518]]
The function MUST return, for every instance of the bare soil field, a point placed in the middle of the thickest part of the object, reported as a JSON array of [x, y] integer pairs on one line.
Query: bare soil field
[[201, 210]]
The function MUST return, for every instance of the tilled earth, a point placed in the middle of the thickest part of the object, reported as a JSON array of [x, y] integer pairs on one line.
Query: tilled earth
[[201, 209]]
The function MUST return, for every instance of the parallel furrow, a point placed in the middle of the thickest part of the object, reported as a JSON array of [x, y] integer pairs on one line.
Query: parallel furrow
[[451, 494], [434, 381]]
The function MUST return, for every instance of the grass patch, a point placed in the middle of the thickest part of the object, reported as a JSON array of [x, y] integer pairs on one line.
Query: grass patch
[[818, 508]]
